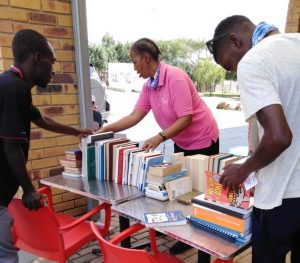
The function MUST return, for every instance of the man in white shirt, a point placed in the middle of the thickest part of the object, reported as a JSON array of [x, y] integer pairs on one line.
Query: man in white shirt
[[268, 71]]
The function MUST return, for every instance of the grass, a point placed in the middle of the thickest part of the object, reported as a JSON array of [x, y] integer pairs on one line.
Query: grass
[[221, 95]]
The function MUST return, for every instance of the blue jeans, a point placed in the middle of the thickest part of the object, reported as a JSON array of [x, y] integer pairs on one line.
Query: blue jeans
[[8, 252], [276, 232]]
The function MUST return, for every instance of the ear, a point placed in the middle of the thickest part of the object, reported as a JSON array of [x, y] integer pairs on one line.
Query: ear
[[37, 57], [234, 40], [147, 57]]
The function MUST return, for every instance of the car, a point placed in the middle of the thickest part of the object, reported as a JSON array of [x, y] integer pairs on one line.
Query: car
[[99, 97]]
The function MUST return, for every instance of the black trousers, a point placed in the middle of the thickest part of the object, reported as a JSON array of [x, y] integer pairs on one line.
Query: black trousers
[[212, 149], [276, 232]]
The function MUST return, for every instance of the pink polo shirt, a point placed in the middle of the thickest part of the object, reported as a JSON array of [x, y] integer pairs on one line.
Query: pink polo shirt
[[175, 97]]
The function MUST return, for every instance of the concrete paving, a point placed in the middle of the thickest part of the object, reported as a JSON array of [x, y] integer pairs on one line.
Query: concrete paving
[[233, 138]]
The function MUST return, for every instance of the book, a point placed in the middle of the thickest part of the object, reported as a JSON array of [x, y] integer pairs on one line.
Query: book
[[157, 197], [73, 151], [221, 219], [187, 197], [163, 179], [73, 154], [215, 191], [155, 186], [71, 174], [196, 166], [70, 163], [224, 208], [76, 170], [221, 231], [166, 218], [179, 187], [164, 169]]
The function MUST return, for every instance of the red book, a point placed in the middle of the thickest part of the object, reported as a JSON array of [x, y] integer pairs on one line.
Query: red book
[[215, 192]]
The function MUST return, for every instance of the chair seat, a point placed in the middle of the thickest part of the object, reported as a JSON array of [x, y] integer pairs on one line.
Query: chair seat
[[81, 232], [166, 257]]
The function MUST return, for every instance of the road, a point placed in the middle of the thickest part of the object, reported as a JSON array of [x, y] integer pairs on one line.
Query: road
[[233, 129]]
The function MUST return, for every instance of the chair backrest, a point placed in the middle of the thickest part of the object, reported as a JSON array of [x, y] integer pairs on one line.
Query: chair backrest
[[114, 253], [36, 231]]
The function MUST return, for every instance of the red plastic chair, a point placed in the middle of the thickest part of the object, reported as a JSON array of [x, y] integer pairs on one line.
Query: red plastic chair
[[50, 235], [113, 253]]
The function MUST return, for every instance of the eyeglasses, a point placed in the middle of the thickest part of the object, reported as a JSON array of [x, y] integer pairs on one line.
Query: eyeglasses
[[210, 43]]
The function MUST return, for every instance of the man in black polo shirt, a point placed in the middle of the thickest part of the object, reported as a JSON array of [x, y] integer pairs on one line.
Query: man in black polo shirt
[[33, 64]]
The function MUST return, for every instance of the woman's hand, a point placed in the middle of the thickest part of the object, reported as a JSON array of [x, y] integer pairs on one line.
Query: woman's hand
[[152, 143]]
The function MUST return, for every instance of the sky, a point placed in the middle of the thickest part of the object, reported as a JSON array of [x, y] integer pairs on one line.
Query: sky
[[129, 20]]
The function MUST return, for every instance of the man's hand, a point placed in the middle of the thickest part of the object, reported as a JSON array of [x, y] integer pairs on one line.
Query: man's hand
[[152, 143], [232, 177], [32, 200], [84, 132]]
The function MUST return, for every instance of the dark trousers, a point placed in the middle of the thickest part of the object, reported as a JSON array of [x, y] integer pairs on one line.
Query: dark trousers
[[212, 149], [276, 232]]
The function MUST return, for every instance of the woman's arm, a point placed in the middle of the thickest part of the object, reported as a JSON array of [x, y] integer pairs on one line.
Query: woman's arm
[[178, 126]]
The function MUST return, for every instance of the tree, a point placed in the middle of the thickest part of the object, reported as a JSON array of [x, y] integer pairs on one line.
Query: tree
[[182, 53], [208, 75], [123, 52], [98, 57], [109, 44]]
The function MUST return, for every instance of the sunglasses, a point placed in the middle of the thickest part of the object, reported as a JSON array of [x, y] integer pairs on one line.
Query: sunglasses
[[210, 43]]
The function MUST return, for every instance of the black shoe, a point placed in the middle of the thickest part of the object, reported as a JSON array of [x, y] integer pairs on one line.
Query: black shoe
[[179, 248]]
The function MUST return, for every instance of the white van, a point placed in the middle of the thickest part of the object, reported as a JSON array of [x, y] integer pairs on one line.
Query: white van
[[98, 90]]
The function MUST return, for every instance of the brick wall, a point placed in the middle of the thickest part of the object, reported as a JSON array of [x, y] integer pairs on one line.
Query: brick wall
[[60, 100], [293, 17]]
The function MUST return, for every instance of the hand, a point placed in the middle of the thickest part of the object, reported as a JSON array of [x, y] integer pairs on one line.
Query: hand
[[152, 143], [232, 177], [32, 200], [84, 132]]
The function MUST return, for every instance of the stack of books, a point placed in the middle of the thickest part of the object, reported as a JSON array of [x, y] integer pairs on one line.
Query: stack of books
[[219, 210], [72, 163], [167, 180], [231, 222]]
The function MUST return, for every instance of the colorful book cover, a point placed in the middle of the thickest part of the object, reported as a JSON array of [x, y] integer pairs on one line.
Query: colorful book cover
[[166, 218], [221, 219], [215, 191]]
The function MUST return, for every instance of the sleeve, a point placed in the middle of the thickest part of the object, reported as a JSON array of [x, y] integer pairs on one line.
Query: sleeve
[[35, 114], [257, 87], [181, 96], [143, 102], [12, 127]]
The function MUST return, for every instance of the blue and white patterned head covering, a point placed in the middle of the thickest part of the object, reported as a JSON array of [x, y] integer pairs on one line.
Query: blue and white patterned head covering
[[153, 82], [261, 30]]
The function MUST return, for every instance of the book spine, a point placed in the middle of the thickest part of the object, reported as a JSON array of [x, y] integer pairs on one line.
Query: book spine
[[218, 208], [219, 219]]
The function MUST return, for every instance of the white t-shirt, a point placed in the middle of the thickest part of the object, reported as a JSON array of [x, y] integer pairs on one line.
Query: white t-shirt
[[269, 74]]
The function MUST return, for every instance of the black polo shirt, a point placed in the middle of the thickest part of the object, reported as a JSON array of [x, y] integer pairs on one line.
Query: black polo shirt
[[16, 113]]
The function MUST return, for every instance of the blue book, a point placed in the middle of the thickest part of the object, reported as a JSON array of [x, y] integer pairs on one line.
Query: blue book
[[164, 218], [219, 230]]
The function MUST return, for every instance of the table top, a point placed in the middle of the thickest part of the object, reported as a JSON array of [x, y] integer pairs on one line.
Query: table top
[[108, 192], [188, 233]]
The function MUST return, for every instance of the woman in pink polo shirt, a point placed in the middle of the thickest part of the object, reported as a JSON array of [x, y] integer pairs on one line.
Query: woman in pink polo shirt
[[177, 107]]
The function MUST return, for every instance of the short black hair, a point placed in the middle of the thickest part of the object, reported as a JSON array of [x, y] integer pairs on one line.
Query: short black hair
[[226, 26], [26, 42], [146, 45]]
